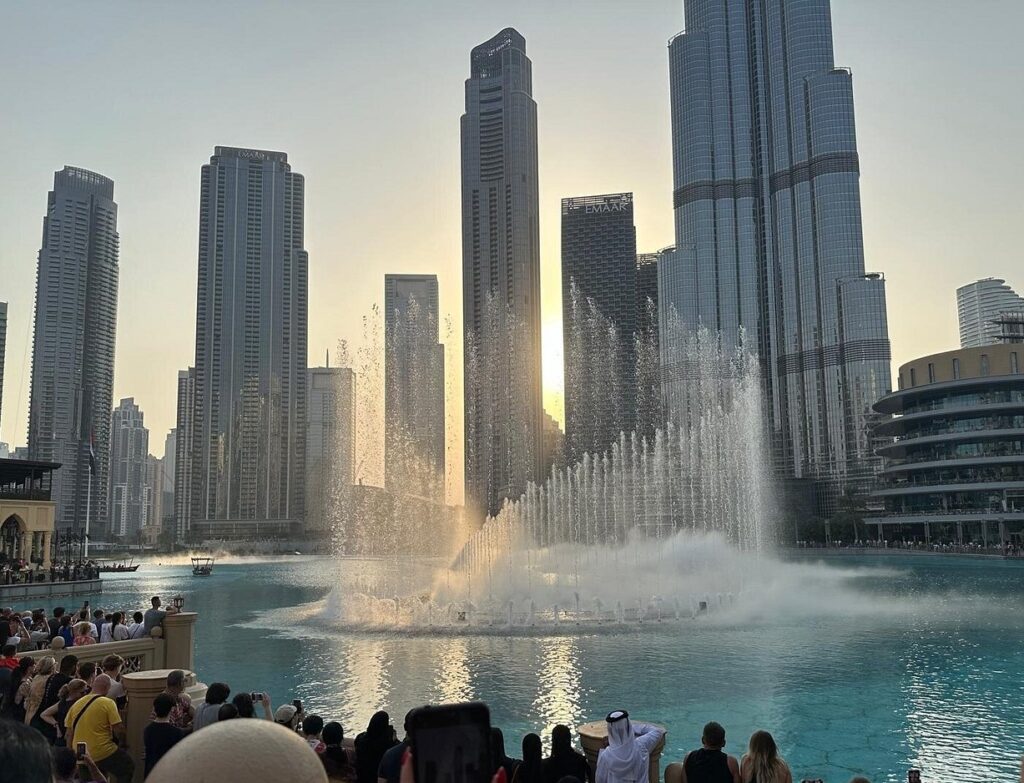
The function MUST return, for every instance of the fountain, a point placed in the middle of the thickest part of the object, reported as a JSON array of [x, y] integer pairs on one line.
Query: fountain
[[657, 528]]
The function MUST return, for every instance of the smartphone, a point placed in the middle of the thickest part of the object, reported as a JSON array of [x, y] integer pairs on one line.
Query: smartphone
[[80, 750], [256, 696], [451, 743], [914, 776], [297, 704]]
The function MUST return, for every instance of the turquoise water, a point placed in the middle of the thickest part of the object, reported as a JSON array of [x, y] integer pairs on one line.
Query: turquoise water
[[915, 662]]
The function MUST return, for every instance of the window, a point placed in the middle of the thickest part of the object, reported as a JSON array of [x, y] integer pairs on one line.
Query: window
[[913, 378], [956, 369], [984, 364], [1013, 362], [931, 373]]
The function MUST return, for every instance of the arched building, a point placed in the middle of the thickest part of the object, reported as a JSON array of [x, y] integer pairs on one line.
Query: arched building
[[26, 511]]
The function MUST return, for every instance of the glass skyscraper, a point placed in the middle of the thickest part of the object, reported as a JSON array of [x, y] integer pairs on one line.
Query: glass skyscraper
[[768, 224], [129, 465], [248, 429], [501, 275], [73, 343], [414, 434], [979, 305], [599, 321]]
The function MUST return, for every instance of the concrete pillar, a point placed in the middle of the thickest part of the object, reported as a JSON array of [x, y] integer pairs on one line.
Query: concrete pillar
[[927, 532], [594, 736], [141, 688], [1002, 533], [960, 532], [179, 640], [47, 544]]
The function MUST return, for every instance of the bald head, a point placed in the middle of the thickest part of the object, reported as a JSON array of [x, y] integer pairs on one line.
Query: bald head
[[101, 685]]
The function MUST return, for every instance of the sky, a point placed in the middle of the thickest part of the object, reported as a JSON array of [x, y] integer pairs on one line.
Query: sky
[[365, 97]]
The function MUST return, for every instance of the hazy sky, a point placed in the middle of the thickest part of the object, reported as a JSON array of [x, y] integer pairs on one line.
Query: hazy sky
[[365, 98]]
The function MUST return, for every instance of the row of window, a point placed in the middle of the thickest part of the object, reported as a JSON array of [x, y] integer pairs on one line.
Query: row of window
[[983, 368]]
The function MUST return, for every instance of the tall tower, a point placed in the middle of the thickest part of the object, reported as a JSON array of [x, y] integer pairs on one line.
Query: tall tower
[[500, 275], [330, 444], [768, 224], [73, 343], [414, 442], [249, 425], [599, 321], [3, 351], [979, 304], [129, 472]]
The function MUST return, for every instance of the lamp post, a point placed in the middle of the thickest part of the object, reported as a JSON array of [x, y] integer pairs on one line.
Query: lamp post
[[178, 602]]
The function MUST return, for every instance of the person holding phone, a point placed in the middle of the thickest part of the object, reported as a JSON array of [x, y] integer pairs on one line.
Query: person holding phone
[[94, 720], [628, 755], [65, 764]]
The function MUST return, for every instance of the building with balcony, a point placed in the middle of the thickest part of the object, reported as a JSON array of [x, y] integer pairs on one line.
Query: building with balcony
[[952, 445], [26, 511]]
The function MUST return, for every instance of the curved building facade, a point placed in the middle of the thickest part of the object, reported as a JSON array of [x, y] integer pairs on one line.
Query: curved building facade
[[953, 447]]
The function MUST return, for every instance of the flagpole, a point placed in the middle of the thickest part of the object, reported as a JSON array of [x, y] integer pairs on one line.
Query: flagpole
[[88, 509]]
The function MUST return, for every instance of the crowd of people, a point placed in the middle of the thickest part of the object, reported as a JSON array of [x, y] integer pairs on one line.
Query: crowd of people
[[35, 629], [14, 571]]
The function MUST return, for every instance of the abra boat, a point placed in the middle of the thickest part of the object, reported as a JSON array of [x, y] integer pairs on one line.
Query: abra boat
[[202, 566], [117, 566]]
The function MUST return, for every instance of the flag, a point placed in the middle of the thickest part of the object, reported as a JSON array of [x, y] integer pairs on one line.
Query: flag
[[92, 453]]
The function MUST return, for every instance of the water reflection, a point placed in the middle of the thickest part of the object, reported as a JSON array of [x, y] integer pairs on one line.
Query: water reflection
[[452, 678], [559, 683]]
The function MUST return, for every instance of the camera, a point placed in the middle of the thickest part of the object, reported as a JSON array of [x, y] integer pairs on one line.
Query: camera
[[80, 750], [256, 696], [297, 704]]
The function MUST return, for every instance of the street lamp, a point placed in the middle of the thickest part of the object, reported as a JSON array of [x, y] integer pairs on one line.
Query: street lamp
[[178, 602]]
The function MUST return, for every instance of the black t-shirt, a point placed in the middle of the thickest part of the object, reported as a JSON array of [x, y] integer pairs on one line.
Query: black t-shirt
[[158, 739], [557, 766]]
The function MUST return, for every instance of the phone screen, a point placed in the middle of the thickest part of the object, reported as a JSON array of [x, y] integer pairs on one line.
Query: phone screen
[[80, 750], [451, 743]]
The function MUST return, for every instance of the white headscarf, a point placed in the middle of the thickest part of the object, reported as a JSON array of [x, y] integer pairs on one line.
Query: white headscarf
[[624, 760]]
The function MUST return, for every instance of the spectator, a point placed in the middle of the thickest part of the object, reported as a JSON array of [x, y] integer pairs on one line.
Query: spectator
[[54, 622], [98, 621], [51, 694], [227, 712], [259, 750], [83, 617], [390, 770], [137, 628], [24, 755], [83, 635], [206, 713], [247, 708], [87, 672], [115, 630], [531, 770], [39, 630], [498, 757], [111, 666], [65, 764], [56, 714], [564, 760], [37, 686], [371, 746], [94, 720], [182, 712], [13, 699], [288, 716], [708, 764], [627, 757], [160, 735], [762, 763], [312, 726], [10, 656], [155, 616], [334, 757], [66, 632]]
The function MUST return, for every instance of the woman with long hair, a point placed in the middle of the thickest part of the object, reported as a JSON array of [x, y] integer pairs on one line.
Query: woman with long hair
[[44, 668], [763, 764], [56, 713], [82, 635], [17, 690], [371, 746]]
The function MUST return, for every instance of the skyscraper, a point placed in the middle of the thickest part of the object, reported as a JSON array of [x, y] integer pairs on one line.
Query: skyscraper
[[599, 321], [3, 351], [73, 343], [129, 472], [184, 443], [249, 425], [500, 275], [330, 443], [768, 224], [979, 304], [414, 433], [168, 471]]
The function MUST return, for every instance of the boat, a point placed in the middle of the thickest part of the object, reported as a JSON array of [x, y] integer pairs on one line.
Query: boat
[[202, 566], [117, 566]]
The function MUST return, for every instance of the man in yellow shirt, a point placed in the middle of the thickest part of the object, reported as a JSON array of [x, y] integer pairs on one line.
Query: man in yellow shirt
[[94, 720]]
